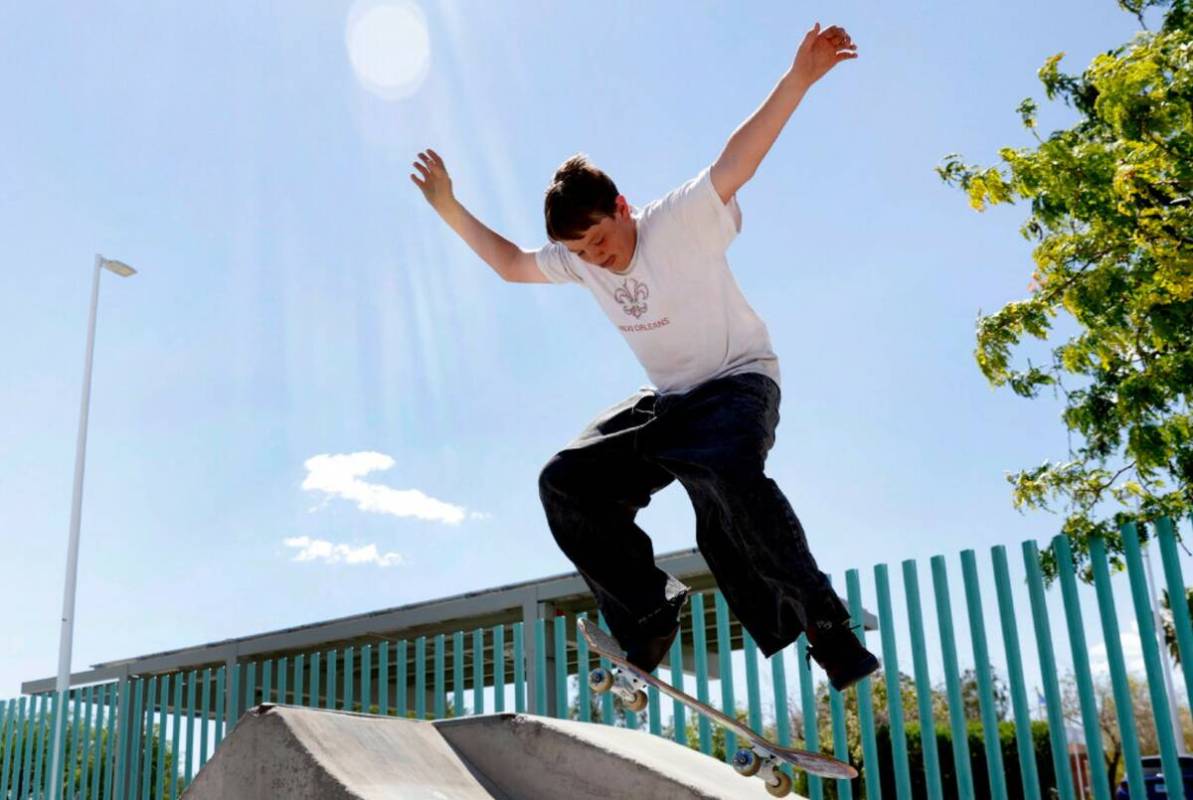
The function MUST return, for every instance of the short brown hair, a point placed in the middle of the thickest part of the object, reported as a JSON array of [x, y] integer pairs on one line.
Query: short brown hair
[[579, 195]]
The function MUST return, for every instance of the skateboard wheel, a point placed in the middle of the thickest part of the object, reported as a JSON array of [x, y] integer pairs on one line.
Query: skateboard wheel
[[780, 786], [600, 680], [638, 702], [746, 762]]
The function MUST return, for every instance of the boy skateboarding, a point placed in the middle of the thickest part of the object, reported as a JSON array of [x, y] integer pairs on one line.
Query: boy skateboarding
[[661, 275]]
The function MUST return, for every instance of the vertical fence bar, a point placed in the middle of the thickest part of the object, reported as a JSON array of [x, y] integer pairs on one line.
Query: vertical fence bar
[[192, 680], [45, 729], [148, 737], [120, 752], [103, 716], [782, 713], [540, 666], [349, 678], [559, 628], [865, 701], [14, 724], [809, 708], [383, 678], [478, 671], [582, 687], [700, 650], [332, 694], [499, 669], [675, 666], [267, 681], [840, 741], [20, 742], [204, 717], [1048, 673], [1175, 581], [366, 679], [1010, 637], [654, 713], [958, 732], [161, 737], [75, 734], [725, 663], [313, 702], [1085, 682], [923, 680], [1124, 713], [221, 705], [283, 679], [402, 684], [1151, 661], [440, 687], [90, 711], [519, 669], [299, 677], [31, 773], [894, 695], [15, 727], [995, 771], [175, 731], [136, 725], [607, 697], [53, 786], [458, 672], [753, 692], [250, 684], [89, 721], [234, 695], [420, 677]]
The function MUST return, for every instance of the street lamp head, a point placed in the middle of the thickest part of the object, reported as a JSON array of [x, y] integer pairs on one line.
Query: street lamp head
[[118, 267]]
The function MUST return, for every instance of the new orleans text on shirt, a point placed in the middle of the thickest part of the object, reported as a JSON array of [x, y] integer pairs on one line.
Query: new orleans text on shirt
[[645, 326]]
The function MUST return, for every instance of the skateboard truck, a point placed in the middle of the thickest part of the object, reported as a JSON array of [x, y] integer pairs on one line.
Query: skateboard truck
[[761, 762], [629, 688]]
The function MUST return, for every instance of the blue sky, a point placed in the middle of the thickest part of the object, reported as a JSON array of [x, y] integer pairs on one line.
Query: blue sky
[[297, 298]]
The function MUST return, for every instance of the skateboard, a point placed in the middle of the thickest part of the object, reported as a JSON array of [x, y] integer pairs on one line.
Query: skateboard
[[760, 757]]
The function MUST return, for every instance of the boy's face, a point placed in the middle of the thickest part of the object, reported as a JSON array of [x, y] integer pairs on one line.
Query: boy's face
[[610, 242]]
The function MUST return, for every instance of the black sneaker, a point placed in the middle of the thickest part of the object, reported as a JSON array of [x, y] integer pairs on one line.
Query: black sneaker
[[842, 657], [649, 653]]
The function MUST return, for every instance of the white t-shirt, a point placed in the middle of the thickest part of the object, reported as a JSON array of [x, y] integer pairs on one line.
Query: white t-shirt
[[677, 304]]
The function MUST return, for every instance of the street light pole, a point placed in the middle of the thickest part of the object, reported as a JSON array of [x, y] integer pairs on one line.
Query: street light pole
[[76, 511]]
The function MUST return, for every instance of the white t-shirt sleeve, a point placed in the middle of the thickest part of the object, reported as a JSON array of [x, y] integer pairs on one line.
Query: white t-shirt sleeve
[[555, 261], [698, 208]]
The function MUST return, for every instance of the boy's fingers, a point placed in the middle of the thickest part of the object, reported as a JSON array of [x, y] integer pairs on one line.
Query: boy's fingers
[[416, 181], [435, 156], [426, 173]]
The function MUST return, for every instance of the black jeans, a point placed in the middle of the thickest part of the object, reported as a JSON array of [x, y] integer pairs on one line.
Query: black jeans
[[714, 440]]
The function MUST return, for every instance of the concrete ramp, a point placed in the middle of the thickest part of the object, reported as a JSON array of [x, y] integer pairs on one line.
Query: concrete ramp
[[277, 752]]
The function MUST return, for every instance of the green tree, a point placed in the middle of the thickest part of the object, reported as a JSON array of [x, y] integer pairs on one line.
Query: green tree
[[1111, 221]]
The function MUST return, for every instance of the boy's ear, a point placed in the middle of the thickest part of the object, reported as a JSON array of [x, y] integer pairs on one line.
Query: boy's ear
[[623, 206]]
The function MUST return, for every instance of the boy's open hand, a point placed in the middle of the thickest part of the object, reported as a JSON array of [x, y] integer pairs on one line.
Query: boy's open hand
[[434, 183], [821, 50]]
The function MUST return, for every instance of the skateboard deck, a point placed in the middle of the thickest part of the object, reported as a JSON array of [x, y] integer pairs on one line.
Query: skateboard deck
[[814, 763]]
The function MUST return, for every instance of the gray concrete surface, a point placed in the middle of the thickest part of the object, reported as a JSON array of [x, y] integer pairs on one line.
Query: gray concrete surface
[[289, 752]]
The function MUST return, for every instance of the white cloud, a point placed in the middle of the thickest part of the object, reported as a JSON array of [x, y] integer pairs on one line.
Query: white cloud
[[340, 476], [328, 552]]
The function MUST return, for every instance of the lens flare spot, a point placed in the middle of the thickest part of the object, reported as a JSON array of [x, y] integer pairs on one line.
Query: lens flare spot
[[389, 46]]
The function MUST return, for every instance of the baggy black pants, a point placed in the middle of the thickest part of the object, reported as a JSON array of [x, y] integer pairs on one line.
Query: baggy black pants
[[714, 440]]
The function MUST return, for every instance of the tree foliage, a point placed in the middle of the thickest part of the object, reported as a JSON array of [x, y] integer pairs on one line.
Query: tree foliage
[[1111, 222]]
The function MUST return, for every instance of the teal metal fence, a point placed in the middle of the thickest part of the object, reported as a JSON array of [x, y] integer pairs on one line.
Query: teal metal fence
[[146, 737]]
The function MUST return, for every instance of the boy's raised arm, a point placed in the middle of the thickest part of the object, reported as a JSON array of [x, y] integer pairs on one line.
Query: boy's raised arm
[[508, 260], [820, 51]]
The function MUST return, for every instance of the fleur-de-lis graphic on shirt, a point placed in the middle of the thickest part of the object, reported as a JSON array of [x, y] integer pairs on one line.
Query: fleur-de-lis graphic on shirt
[[632, 296]]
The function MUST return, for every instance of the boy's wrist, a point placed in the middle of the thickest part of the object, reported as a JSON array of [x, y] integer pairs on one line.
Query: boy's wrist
[[798, 78]]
